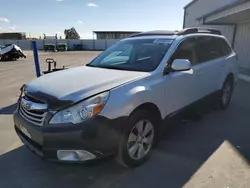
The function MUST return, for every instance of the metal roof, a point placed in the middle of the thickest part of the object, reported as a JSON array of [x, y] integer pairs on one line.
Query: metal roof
[[223, 8], [189, 4]]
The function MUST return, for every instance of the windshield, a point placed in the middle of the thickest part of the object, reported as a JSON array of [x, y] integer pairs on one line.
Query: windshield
[[135, 55]]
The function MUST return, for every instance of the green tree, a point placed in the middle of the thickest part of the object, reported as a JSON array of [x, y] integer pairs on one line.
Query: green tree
[[71, 33]]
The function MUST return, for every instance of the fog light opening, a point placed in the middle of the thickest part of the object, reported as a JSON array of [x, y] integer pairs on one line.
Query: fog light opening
[[74, 155]]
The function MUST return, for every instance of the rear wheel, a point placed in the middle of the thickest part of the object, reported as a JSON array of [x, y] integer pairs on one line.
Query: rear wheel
[[225, 95], [137, 140]]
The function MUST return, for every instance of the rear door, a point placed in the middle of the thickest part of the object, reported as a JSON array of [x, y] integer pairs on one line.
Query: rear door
[[209, 67]]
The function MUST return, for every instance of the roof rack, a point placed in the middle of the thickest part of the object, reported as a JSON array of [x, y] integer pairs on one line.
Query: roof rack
[[199, 30], [182, 32], [157, 32]]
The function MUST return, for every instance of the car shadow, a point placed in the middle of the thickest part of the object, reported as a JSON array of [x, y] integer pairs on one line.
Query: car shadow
[[10, 60], [185, 147], [21, 168], [188, 145], [8, 110]]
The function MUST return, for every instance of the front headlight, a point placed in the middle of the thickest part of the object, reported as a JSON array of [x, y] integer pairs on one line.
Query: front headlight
[[81, 111]]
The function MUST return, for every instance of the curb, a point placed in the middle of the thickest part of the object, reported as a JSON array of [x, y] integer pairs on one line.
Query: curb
[[244, 77]]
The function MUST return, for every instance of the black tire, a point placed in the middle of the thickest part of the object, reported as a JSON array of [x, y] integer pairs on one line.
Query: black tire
[[123, 157], [223, 103]]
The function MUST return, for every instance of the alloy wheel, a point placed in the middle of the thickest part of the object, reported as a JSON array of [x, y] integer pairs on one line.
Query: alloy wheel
[[140, 139]]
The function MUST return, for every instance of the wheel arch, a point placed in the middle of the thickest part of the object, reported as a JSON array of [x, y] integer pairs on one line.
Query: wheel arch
[[150, 107], [230, 78]]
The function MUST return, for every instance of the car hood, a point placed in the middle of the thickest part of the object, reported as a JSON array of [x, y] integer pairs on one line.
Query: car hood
[[63, 88]]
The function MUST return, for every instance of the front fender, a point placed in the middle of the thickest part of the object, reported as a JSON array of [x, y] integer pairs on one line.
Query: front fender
[[125, 99]]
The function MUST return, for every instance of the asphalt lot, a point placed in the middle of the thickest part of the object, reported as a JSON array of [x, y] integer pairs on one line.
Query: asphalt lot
[[212, 152]]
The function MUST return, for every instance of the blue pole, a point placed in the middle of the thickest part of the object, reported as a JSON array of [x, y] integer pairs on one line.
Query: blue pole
[[36, 59]]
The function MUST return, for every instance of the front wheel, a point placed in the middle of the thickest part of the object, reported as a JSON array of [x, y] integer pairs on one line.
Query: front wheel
[[137, 140]]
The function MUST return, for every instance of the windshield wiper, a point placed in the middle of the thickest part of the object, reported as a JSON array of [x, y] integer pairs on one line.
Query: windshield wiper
[[105, 67], [110, 67], [89, 65]]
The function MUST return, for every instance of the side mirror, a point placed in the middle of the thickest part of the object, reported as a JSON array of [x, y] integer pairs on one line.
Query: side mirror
[[181, 65]]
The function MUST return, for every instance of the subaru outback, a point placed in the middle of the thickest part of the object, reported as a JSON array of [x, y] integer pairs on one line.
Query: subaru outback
[[115, 104]]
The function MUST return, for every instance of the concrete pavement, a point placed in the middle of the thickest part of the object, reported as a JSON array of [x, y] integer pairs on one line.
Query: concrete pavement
[[212, 152]]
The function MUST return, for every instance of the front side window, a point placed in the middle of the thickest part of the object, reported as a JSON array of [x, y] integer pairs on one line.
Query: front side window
[[186, 50], [134, 55]]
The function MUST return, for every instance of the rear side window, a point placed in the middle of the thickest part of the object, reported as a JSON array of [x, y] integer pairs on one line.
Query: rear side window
[[209, 48], [206, 49]]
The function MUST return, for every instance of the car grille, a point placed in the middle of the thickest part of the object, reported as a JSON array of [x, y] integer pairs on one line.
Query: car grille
[[32, 115]]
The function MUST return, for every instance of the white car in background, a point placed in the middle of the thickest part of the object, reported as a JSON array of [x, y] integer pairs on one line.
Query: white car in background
[[11, 52]]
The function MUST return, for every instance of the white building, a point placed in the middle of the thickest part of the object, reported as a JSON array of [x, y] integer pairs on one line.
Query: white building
[[232, 17]]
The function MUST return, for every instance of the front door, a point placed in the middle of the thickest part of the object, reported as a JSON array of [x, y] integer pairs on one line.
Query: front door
[[182, 88]]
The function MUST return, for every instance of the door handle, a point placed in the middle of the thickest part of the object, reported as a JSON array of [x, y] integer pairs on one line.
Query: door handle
[[198, 72]]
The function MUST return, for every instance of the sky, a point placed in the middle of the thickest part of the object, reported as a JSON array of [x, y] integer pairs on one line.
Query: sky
[[36, 17]]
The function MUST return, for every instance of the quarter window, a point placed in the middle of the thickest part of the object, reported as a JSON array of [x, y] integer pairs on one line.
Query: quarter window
[[225, 49]]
